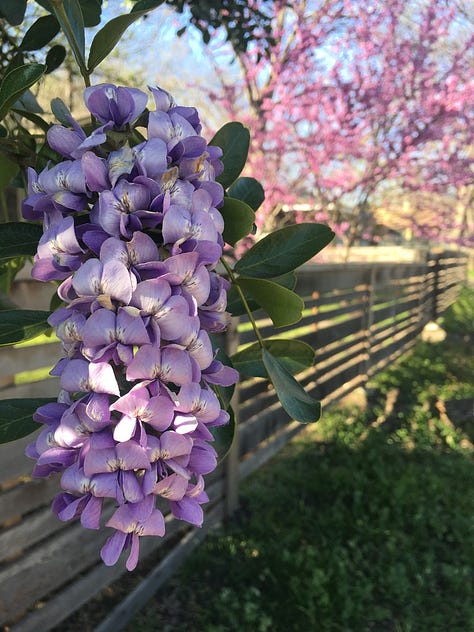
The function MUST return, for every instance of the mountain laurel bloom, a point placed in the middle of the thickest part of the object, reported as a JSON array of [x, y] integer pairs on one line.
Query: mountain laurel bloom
[[133, 234]]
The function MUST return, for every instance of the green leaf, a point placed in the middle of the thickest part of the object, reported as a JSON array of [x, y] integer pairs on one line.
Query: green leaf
[[17, 325], [40, 33], [28, 102], [297, 403], [13, 11], [16, 417], [224, 437], [248, 190], [16, 82], [238, 220], [34, 118], [18, 238], [284, 250], [109, 35], [61, 111], [74, 23], [234, 140], [283, 306], [235, 305], [8, 170], [55, 57], [91, 11], [294, 355]]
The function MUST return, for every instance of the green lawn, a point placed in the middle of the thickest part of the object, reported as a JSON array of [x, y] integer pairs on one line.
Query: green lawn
[[365, 522]]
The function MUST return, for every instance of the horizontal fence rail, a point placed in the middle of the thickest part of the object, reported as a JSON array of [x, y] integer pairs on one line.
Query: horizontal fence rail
[[358, 317]]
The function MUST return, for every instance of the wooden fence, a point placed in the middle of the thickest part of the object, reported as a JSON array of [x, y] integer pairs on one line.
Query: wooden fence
[[358, 317]]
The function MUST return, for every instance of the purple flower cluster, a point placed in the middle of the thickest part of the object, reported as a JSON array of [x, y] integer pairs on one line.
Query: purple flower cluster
[[133, 232]]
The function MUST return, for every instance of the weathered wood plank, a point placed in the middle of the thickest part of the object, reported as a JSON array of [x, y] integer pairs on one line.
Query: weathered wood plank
[[44, 388], [326, 386], [338, 296], [326, 335], [36, 527], [13, 462], [28, 358], [274, 445], [343, 355], [26, 497], [60, 559], [260, 427]]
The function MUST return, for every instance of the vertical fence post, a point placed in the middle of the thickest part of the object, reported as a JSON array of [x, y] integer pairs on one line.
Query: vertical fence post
[[231, 487], [437, 290], [369, 319], [424, 315]]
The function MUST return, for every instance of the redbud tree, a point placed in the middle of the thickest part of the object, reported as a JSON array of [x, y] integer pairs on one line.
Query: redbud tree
[[357, 100]]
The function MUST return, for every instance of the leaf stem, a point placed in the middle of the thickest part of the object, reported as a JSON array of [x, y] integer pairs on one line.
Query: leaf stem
[[234, 282], [69, 33]]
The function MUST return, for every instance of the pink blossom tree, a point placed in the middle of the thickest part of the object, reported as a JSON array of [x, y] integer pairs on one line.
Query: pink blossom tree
[[354, 101]]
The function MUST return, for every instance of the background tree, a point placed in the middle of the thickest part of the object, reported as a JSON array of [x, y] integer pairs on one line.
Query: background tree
[[355, 101]]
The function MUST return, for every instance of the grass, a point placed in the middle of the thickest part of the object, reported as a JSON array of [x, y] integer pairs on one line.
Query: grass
[[363, 523]]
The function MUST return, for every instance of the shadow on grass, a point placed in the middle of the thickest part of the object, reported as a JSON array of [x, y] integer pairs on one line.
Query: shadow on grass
[[339, 535]]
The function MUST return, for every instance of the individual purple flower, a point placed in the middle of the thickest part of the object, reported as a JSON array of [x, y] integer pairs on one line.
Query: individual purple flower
[[181, 224], [115, 105], [138, 253], [111, 335], [197, 343], [169, 364], [130, 522], [189, 507], [186, 271], [80, 498], [194, 404], [61, 188], [168, 312], [102, 282], [151, 158], [138, 407], [121, 210], [59, 252], [80, 375]]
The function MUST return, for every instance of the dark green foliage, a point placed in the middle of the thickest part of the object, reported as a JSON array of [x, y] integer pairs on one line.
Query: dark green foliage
[[16, 419], [242, 22], [284, 250], [234, 140], [17, 325], [282, 305], [248, 190], [459, 318], [295, 355], [296, 402], [18, 238], [238, 220], [16, 82]]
